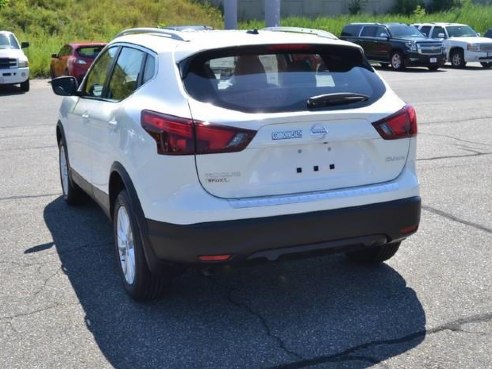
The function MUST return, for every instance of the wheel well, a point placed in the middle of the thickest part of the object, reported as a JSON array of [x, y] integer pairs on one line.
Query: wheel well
[[456, 48], [58, 133], [116, 184]]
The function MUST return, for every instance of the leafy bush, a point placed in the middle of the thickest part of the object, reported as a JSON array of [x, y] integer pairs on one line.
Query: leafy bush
[[355, 6], [443, 5], [407, 7]]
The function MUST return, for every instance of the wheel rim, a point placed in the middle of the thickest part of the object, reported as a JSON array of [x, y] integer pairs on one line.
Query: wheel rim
[[63, 170], [456, 59], [126, 247], [396, 61]]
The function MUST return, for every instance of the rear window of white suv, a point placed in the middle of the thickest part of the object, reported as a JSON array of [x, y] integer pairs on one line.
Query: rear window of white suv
[[279, 78]]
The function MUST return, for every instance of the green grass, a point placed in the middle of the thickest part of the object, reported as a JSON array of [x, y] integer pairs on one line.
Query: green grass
[[48, 24]]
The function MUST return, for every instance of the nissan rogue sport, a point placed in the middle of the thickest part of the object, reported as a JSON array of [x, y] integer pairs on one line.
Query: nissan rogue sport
[[222, 147]]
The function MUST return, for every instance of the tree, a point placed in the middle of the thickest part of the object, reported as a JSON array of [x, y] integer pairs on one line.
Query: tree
[[3, 3]]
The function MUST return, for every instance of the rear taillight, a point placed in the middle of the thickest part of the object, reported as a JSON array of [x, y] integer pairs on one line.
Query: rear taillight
[[402, 124], [182, 136]]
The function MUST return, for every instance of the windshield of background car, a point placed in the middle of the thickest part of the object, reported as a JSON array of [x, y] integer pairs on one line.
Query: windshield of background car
[[279, 78], [8, 42], [402, 30], [461, 31]]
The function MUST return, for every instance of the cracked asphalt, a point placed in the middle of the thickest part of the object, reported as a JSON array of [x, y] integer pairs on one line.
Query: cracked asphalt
[[61, 304]]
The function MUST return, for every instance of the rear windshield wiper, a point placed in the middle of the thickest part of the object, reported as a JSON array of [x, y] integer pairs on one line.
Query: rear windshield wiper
[[338, 98]]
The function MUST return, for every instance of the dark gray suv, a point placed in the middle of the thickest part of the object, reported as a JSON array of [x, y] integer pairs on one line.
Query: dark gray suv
[[395, 44]]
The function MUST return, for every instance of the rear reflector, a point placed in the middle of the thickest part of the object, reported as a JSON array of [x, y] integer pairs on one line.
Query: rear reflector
[[210, 258], [409, 229], [402, 124], [183, 136]]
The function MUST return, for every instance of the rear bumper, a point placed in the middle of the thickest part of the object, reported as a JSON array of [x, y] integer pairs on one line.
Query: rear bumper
[[271, 237]]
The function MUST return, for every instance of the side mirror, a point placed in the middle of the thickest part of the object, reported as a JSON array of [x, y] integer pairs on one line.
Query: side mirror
[[24, 45], [65, 86], [478, 34]]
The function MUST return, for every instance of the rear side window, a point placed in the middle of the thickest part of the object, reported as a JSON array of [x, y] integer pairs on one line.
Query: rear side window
[[279, 78], [351, 30]]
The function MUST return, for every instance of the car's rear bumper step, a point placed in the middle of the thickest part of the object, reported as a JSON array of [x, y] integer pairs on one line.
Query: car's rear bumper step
[[330, 230]]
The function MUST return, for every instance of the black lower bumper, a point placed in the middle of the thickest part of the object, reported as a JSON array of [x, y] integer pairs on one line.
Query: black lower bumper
[[422, 60], [331, 230]]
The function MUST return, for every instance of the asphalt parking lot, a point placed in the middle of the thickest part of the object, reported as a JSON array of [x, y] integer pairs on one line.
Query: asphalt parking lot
[[62, 306]]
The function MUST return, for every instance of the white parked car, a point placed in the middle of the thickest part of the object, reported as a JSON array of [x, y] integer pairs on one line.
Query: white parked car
[[14, 66], [462, 43], [221, 147]]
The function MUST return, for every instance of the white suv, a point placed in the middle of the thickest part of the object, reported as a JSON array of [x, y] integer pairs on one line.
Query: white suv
[[14, 66], [220, 147], [462, 43]]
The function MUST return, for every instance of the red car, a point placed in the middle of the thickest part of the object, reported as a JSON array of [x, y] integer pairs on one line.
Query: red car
[[74, 59]]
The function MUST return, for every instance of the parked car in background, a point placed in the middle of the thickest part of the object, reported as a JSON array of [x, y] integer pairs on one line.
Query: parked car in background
[[14, 65], [222, 147], [395, 44], [74, 59], [463, 44], [488, 33]]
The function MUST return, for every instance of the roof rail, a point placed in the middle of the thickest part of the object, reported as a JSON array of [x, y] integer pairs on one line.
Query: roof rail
[[158, 31], [311, 31]]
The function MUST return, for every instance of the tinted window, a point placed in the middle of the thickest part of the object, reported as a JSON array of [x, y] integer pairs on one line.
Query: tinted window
[[351, 30], [381, 32], [369, 31], [97, 75], [425, 30], [125, 73], [488, 33], [437, 31], [278, 78]]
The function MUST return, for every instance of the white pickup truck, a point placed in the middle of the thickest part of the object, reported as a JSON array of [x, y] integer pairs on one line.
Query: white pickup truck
[[462, 43], [14, 66]]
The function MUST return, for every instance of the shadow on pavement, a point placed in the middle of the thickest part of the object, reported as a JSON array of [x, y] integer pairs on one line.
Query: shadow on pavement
[[294, 314]]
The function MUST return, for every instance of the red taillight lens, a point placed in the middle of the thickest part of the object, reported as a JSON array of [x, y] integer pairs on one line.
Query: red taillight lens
[[214, 139], [181, 136], [402, 124], [174, 135]]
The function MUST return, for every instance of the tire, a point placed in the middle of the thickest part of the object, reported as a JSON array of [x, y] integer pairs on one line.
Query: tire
[[138, 280], [486, 65], [374, 254], [397, 61], [24, 86], [457, 59], [72, 193]]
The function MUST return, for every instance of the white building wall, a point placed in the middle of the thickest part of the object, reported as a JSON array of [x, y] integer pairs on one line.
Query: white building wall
[[255, 9]]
